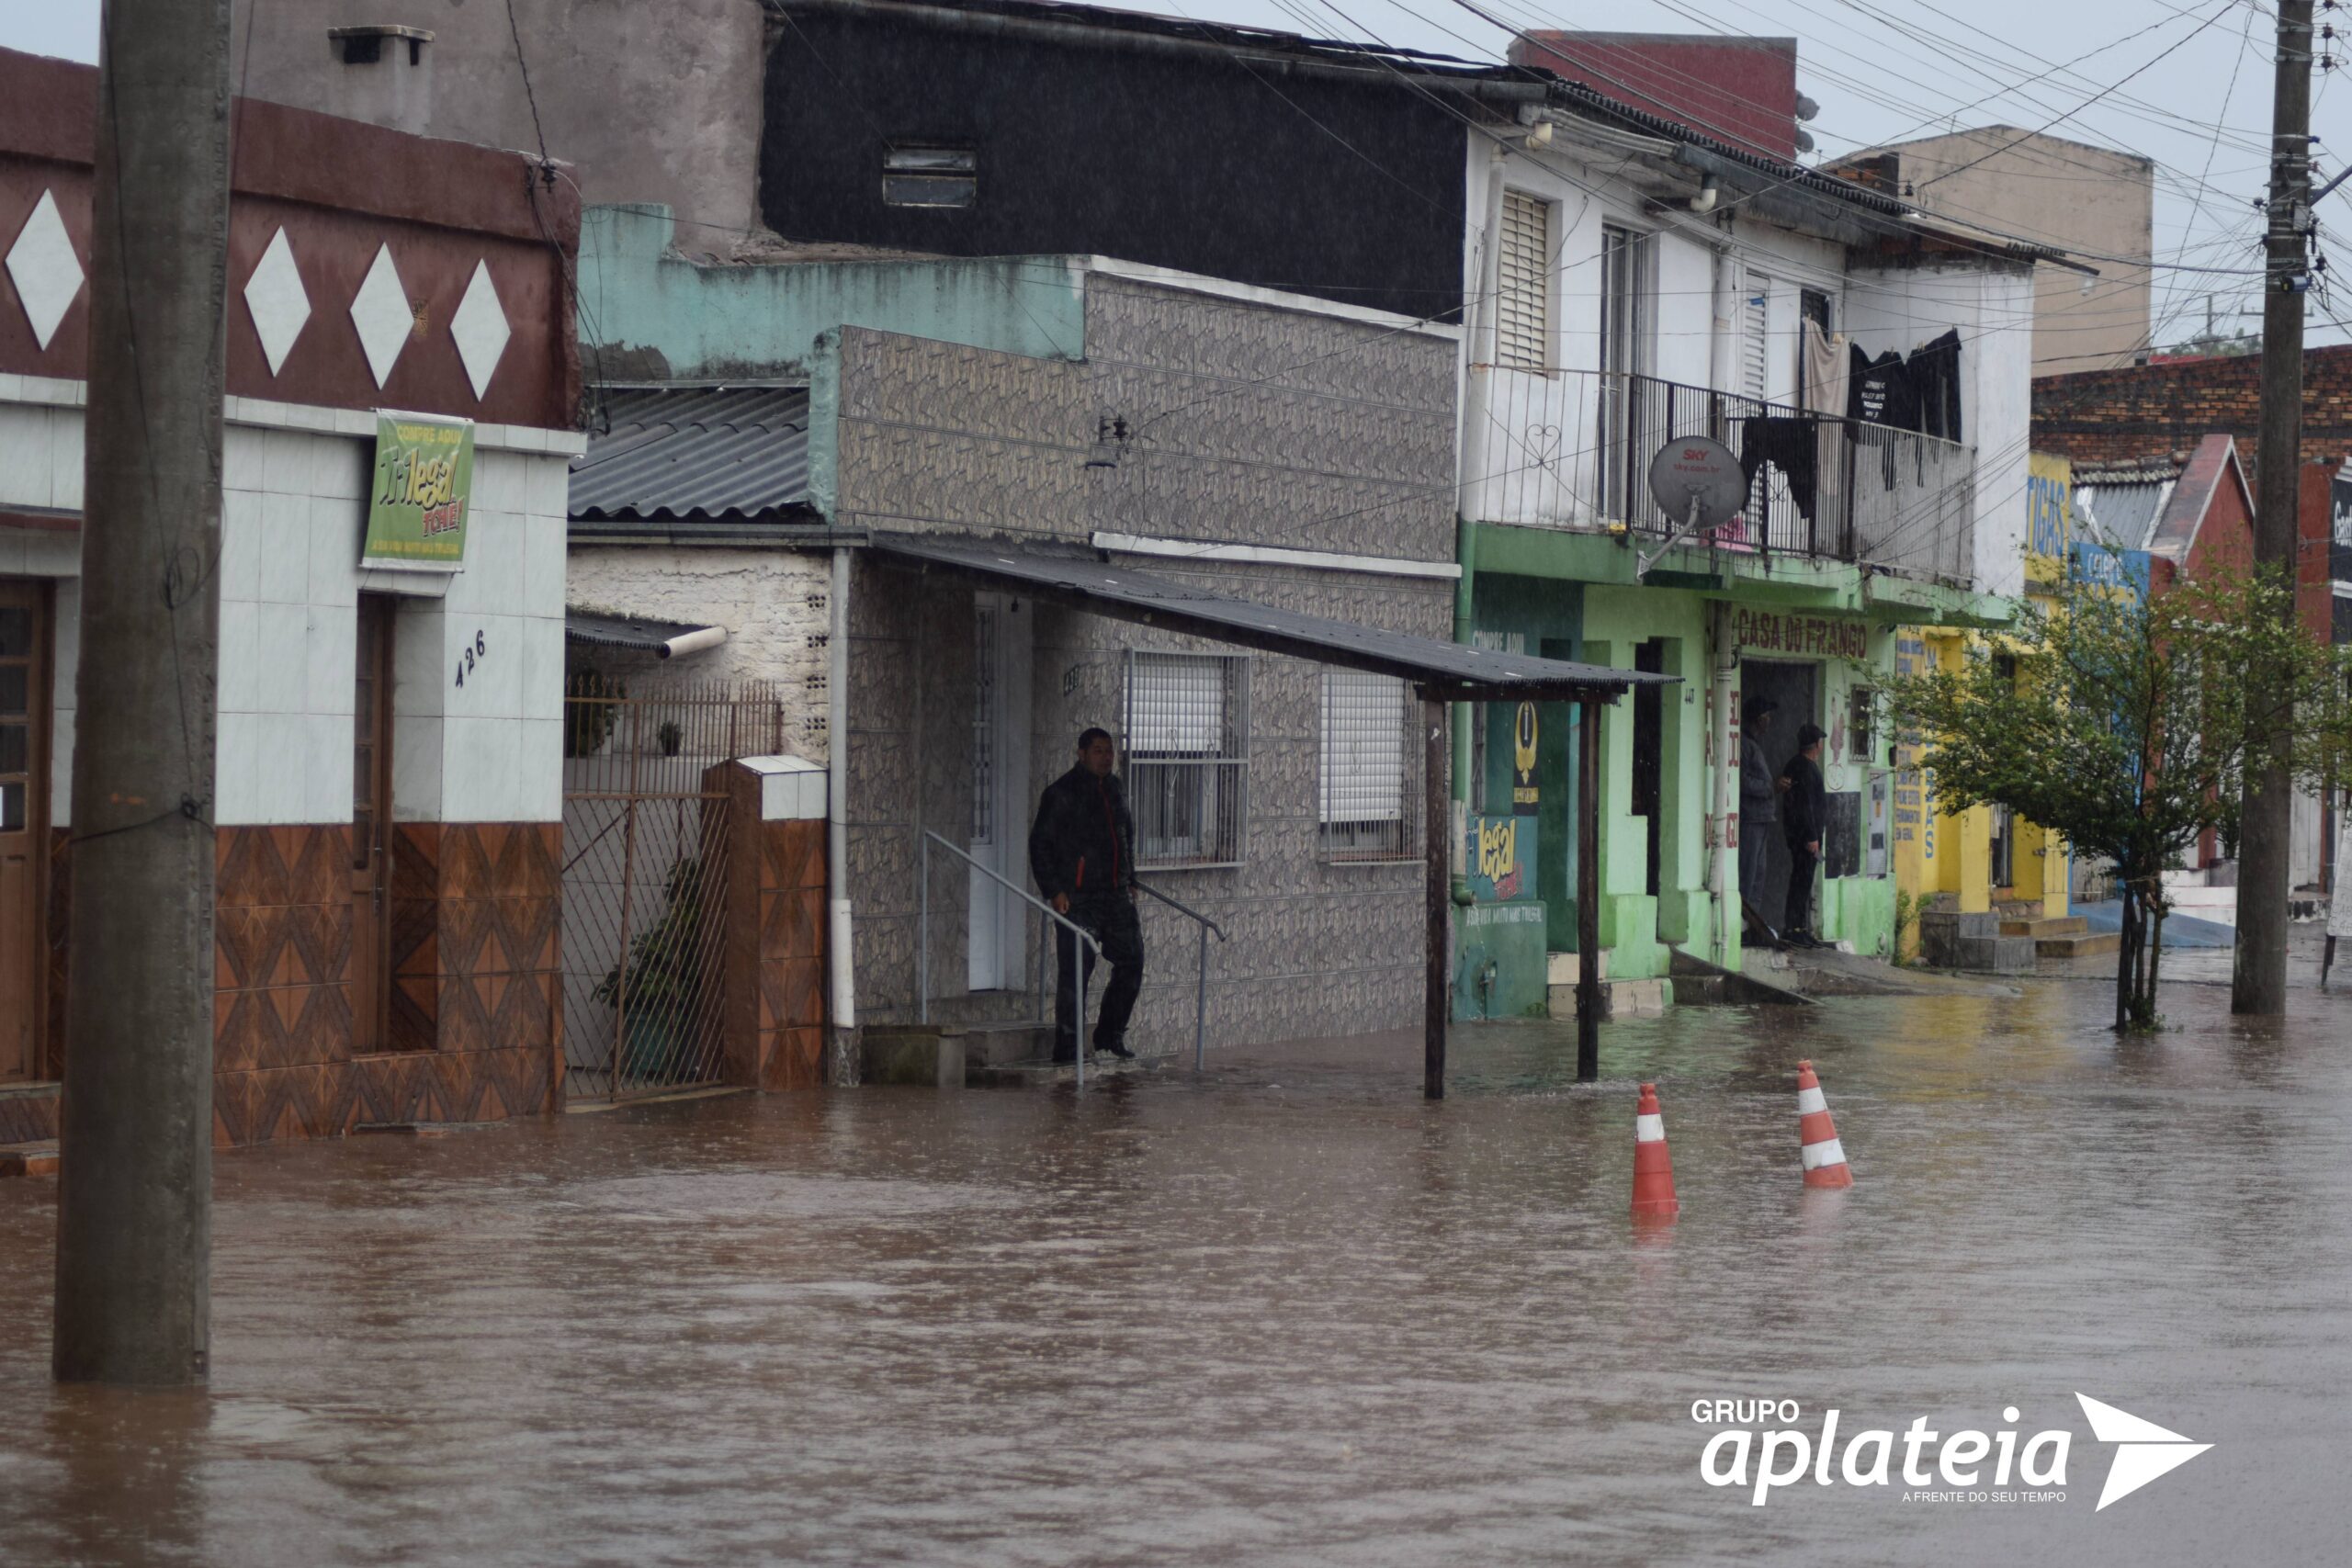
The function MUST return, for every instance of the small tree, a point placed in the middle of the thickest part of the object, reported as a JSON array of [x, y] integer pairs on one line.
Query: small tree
[[2124, 726]]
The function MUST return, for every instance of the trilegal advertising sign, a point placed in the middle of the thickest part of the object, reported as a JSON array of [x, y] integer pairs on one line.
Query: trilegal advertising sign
[[418, 500]]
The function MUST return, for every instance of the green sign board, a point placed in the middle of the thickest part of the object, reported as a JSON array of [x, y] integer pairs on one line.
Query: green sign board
[[418, 502]]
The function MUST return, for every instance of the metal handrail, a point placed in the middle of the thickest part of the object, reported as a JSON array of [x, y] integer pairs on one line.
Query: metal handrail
[[1200, 992], [923, 935], [1182, 909]]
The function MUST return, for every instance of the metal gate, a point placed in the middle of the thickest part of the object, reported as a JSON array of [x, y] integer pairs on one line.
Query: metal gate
[[645, 849]]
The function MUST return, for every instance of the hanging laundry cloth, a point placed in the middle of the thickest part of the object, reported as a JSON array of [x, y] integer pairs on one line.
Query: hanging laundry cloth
[[1935, 381], [1879, 391], [1790, 444], [1825, 370]]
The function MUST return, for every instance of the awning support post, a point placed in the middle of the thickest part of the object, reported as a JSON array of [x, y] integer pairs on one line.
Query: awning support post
[[1588, 1003], [1437, 831]]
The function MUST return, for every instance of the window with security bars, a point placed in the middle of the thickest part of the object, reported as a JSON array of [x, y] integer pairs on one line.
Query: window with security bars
[[1187, 724], [1523, 299], [1367, 735]]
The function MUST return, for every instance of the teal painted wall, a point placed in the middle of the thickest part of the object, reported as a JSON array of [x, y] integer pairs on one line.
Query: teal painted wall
[[1602, 623], [1640, 929], [1579, 589], [1529, 615], [653, 316]]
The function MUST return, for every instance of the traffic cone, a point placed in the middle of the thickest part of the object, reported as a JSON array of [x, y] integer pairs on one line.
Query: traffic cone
[[1824, 1157], [1653, 1167]]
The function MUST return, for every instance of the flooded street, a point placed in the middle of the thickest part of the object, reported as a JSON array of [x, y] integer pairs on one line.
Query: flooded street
[[1291, 1315]]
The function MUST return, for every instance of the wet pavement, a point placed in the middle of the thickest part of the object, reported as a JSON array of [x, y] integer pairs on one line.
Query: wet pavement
[[1288, 1314]]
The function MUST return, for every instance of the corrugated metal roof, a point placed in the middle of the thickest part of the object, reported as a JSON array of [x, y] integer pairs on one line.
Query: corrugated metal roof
[[2125, 513], [1087, 583], [714, 453]]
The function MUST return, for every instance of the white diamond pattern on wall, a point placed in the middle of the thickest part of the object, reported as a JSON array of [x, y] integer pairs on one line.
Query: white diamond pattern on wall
[[480, 330], [278, 303], [42, 265], [382, 314]]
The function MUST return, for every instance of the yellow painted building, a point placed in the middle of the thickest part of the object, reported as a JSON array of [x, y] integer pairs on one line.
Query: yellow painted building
[[1983, 856]]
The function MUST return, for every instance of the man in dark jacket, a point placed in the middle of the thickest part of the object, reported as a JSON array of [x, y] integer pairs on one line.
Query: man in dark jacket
[[1804, 812], [1083, 853]]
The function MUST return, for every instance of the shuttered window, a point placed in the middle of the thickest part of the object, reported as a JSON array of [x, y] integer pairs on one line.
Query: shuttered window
[[1754, 336], [1365, 741], [1187, 722], [1523, 305]]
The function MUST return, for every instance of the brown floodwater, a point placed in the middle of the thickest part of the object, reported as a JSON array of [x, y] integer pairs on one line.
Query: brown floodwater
[[1288, 1313]]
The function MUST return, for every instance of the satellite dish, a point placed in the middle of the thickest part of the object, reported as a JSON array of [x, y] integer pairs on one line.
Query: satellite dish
[[1698, 482]]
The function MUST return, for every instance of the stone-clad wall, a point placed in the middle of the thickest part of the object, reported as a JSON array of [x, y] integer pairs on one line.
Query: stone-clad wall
[[1316, 947], [910, 716], [1293, 429], [1259, 426]]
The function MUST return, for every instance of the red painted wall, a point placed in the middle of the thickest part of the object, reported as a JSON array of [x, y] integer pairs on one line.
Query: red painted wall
[[1742, 91], [340, 188]]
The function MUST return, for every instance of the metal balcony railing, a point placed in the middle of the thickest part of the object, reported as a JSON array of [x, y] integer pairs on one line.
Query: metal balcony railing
[[1572, 449]]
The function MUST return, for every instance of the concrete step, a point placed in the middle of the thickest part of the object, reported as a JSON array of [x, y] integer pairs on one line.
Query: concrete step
[[929, 1054], [1698, 982], [1992, 954], [1943, 929], [993, 1044], [1619, 999], [948, 1054], [2082, 945], [1041, 1072], [2040, 925], [28, 1159], [1563, 968]]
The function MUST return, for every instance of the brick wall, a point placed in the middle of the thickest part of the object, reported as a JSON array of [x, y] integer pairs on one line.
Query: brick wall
[[2160, 411], [2098, 417]]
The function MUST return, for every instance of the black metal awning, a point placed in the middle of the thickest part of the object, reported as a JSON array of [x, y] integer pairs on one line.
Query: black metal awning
[[638, 633], [1445, 672]]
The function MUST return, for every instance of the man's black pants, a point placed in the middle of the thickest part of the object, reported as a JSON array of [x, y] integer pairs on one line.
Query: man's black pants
[[1111, 920], [1798, 916]]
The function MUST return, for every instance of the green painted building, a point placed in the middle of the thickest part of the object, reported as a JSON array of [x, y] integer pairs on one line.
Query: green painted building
[[1816, 636]]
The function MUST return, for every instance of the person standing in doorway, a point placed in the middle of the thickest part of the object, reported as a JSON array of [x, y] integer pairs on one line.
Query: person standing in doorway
[[1760, 803], [1804, 812], [1083, 853]]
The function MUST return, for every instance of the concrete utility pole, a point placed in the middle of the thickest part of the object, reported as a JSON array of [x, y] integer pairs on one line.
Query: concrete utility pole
[[2259, 983], [134, 1221]]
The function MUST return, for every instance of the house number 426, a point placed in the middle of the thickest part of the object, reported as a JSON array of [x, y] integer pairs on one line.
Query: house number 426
[[466, 659]]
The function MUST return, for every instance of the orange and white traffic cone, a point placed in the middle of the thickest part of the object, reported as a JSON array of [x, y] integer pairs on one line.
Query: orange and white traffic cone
[[1824, 1157], [1654, 1196]]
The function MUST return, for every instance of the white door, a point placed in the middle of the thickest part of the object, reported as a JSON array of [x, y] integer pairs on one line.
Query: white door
[[1000, 803]]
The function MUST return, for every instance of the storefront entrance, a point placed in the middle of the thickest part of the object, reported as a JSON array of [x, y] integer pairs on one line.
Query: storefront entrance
[[1795, 685], [24, 823]]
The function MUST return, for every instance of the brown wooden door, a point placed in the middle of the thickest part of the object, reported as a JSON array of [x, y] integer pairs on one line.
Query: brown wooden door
[[24, 823], [371, 827]]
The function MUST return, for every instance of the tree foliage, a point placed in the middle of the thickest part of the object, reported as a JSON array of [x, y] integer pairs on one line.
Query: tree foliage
[[2124, 721]]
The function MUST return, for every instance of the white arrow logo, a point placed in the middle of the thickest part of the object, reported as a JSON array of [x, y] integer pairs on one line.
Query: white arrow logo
[[2143, 1449]]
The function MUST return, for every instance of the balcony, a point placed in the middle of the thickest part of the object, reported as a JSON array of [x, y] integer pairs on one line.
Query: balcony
[[1572, 449]]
